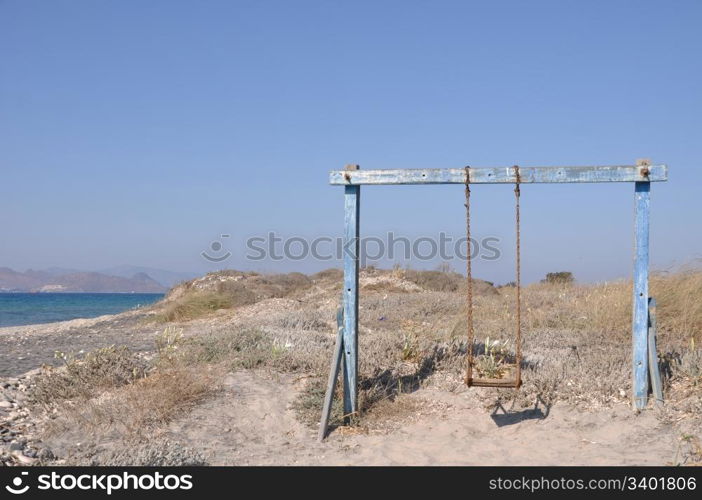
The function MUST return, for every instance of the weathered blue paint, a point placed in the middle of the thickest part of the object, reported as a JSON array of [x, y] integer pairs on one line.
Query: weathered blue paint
[[501, 175], [640, 313], [642, 175], [352, 196], [654, 369], [333, 374]]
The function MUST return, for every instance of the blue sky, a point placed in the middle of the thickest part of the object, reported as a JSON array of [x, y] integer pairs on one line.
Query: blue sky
[[137, 132]]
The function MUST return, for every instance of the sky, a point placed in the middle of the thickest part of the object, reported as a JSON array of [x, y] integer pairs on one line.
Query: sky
[[139, 133]]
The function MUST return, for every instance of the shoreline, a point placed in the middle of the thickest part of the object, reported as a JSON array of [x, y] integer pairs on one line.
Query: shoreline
[[60, 325], [27, 347]]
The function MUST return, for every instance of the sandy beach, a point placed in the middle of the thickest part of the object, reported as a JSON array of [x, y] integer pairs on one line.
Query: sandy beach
[[252, 422], [251, 404]]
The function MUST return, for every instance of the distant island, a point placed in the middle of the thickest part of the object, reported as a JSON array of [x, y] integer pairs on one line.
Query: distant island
[[89, 282]]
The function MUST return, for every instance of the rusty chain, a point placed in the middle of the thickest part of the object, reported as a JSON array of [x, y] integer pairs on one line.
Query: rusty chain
[[518, 359], [469, 277]]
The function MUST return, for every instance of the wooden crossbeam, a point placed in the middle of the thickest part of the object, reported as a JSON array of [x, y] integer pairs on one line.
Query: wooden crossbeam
[[502, 175], [642, 175]]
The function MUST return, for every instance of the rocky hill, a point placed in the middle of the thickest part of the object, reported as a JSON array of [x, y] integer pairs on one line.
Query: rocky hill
[[42, 281]]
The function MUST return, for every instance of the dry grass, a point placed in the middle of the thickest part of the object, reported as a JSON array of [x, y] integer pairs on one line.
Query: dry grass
[[679, 304], [135, 410], [153, 453], [112, 391], [436, 281], [577, 347], [432, 281], [576, 337], [250, 348], [607, 307], [198, 304], [82, 379], [689, 451], [577, 342], [226, 290], [148, 403]]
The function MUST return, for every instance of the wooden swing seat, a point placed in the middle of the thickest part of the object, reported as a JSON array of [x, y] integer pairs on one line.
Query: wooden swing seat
[[494, 382], [513, 379]]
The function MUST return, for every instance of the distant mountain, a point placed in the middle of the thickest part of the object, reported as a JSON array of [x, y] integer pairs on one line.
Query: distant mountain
[[43, 281], [58, 271], [12, 281], [97, 282], [166, 278]]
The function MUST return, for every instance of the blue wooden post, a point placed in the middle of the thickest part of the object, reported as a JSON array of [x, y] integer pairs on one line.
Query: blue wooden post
[[653, 366], [640, 313], [333, 373], [351, 256], [642, 174]]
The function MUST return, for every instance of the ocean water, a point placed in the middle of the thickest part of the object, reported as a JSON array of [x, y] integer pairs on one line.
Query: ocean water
[[31, 308]]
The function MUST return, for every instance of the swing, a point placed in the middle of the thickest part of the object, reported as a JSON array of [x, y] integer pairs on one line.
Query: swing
[[352, 178], [510, 374]]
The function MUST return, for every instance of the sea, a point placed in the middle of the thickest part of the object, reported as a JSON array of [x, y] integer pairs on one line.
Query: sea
[[18, 309]]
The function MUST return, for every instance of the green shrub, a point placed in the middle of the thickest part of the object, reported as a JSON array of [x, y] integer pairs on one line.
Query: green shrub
[[559, 278]]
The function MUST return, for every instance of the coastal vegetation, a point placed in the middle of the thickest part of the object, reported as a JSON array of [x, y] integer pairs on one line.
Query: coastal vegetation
[[577, 351]]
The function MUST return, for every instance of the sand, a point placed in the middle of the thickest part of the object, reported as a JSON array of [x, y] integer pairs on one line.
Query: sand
[[252, 423]]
